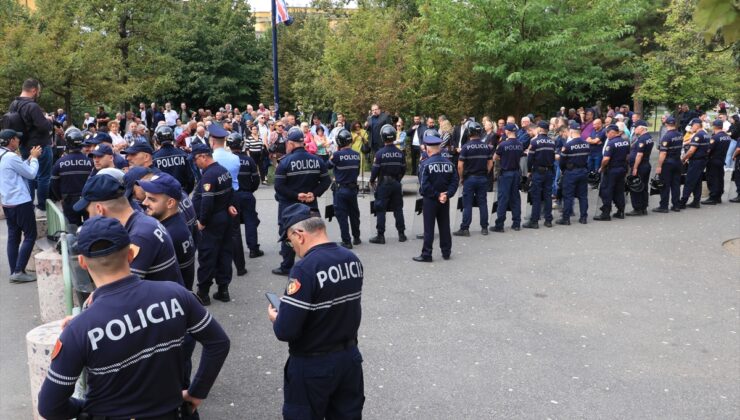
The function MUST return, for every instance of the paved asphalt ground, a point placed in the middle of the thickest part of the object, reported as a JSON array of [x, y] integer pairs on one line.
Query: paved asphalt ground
[[632, 319]]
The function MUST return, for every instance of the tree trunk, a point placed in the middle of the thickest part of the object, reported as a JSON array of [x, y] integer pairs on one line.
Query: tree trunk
[[123, 46], [68, 98]]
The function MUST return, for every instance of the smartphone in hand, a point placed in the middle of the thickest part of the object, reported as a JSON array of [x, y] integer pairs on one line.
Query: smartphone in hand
[[274, 300]]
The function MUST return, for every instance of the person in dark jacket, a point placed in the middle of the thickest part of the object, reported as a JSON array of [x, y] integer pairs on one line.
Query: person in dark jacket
[[375, 121]]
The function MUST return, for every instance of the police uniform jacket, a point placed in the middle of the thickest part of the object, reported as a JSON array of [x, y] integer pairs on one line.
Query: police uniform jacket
[[510, 151], [183, 243], [617, 150], [718, 145], [214, 193], [154, 254], [346, 164], [475, 154], [249, 176], [130, 342], [700, 140], [300, 172], [671, 143], [541, 153], [574, 154], [438, 175], [321, 305], [389, 162], [187, 210], [69, 174], [644, 145], [174, 161]]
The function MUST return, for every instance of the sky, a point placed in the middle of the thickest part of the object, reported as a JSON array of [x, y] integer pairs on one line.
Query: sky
[[264, 5]]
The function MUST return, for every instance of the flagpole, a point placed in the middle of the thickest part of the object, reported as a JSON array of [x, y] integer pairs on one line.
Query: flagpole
[[275, 94]]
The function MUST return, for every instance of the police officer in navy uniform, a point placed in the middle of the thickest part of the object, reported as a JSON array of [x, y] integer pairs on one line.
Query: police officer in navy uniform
[[613, 171], [299, 178], [139, 154], [697, 157], [119, 161], [473, 166], [388, 169], [163, 194], [101, 156], [346, 165], [154, 254], [640, 163], [718, 146], [509, 152], [69, 174], [213, 199], [669, 167], [319, 316], [439, 182], [172, 160], [540, 164], [249, 180], [573, 164], [129, 340]]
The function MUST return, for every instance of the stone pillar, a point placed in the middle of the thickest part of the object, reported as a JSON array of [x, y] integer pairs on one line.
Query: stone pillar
[[40, 345], [50, 285]]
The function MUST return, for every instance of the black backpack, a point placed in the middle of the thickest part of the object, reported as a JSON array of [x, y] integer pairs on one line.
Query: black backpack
[[13, 119]]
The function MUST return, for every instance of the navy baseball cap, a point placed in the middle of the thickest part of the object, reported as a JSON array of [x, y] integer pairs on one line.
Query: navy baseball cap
[[573, 125], [293, 214], [134, 174], [105, 234], [612, 127], [695, 121], [431, 139], [215, 130], [198, 149], [544, 125], [162, 183], [138, 147], [718, 123], [641, 123], [510, 127], [8, 134], [295, 134], [98, 188], [101, 137], [100, 150], [670, 120]]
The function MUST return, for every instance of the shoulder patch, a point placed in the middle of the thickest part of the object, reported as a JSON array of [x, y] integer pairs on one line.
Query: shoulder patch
[[641, 145], [57, 349], [607, 148], [207, 187], [293, 286], [665, 144]]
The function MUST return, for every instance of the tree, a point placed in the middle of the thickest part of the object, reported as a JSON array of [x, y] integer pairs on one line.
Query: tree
[[719, 17]]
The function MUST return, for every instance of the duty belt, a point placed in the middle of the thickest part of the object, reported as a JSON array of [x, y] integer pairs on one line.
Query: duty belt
[[333, 349], [570, 166], [349, 185], [172, 415], [387, 178]]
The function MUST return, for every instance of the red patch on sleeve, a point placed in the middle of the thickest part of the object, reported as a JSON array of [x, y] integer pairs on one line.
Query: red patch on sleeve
[[57, 349], [293, 286]]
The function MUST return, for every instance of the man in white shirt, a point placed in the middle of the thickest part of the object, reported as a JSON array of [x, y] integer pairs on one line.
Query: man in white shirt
[[170, 116], [17, 203], [88, 120]]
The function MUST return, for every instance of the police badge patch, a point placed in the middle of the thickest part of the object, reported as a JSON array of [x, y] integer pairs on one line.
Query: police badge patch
[[207, 187], [293, 286]]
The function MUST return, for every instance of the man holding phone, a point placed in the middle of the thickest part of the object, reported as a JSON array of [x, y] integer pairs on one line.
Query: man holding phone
[[319, 317]]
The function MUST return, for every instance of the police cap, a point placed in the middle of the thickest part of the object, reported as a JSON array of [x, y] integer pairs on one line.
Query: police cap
[[510, 127], [717, 123], [432, 139], [100, 236], [695, 121], [295, 134], [102, 137], [199, 149], [98, 188], [215, 130], [162, 183], [138, 147], [295, 213], [641, 123], [543, 125], [101, 150], [670, 121], [573, 125]]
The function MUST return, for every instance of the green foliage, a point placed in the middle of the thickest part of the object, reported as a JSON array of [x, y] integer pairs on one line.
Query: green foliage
[[719, 17]]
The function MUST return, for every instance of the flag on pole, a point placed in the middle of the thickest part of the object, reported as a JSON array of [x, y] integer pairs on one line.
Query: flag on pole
[[281, 12]]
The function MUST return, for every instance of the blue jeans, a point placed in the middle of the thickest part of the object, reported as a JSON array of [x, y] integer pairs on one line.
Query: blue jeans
[[555, 180], [20, 219], [594, 162], [40, 186], [508, 195], [475, 187], [730, 151]]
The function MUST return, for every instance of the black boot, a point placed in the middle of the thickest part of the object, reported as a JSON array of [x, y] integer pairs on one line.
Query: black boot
[[377, 239], [222, 294], [565, 222], [531, 225], [461, 232], [402, 237], [202, 294], [604, 217], [619, 214], [256, 253], [711, 202]]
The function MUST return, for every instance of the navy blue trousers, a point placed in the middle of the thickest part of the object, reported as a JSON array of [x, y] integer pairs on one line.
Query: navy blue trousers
[[716, 179], [540, 192], [640, 200], [347, 212], [389, 197], [693, 180], [575, 184], [671, 177], [612, 188], [508, 195], [434, 211], [249, 218], [20, 220], [215, 253], [475, 188]]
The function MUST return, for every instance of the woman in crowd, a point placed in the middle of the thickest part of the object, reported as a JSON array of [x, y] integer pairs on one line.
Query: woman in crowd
[[359, 139], [322, 144], [114, 132], [445, 131], [308, 141], [400, 135], [490, 135], [254, 147]]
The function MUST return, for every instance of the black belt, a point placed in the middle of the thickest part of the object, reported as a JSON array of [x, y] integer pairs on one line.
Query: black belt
[[388, 179], [349, 185], [573, 167], [172, 415], [544, 168], [333, 349]]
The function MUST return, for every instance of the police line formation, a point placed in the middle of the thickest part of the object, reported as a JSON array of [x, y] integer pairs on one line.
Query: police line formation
[[135, 338]]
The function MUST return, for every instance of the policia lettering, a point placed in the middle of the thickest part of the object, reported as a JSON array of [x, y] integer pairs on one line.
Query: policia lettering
[[116, 329], [339, 272]]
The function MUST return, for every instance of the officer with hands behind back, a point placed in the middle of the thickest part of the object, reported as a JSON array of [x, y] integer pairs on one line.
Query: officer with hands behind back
[[388, 170], [319, 316], [669, 167], [129, 340], [509, 153], [613, 170], [573, 163], [473, 166], [346, 164], [540, 163], [640, 166]]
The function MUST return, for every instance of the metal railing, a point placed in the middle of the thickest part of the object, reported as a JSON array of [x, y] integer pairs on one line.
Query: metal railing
[[55, 221], [56, 229]]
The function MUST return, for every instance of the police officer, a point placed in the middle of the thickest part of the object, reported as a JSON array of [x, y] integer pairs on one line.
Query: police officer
[[718, 146], [697, 156], [640, 163], [153, 253], [439, 181], [249, 181], [212, 200], [540, 163], [669, 167], [388, 170], [573, 164], [319, 316], [613, 171], [139, 154], [509, 152], [736, 175], [172, 160], [163, 193], [69, 175], [102, 158], [474, 164], [300, 177], [129, 340], [119, 161], [346, 165]]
